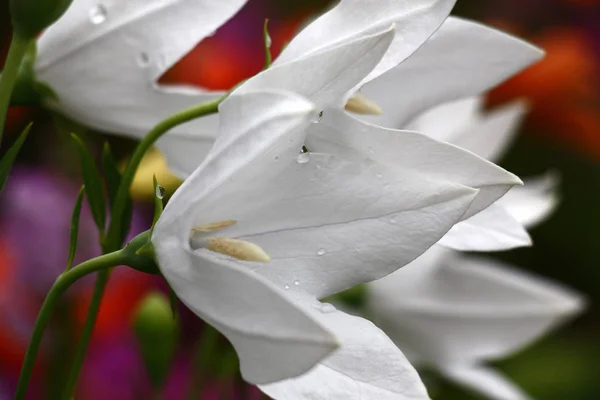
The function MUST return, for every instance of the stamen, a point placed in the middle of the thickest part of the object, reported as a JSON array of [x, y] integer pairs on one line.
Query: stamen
[[239, 249], [214, 226], [359, 104]]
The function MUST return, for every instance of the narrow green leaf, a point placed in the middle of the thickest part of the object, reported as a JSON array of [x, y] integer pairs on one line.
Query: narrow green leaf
[[75, 227], [92, 180], [267, 43], [159, 194], [9, 158], [113, 178]]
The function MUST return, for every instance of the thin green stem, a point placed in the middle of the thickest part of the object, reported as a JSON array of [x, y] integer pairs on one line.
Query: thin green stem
[[16, 53], [63, 282], [86, 332], [116, 221]]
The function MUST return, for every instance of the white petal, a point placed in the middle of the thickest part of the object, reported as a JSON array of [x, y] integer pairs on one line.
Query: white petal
[[491, 136], [534, 201], [461, 59], [341, 133], [274, 338], [493, 229], [485, 381], [137, 41], [326, 77], [446, 121], [116, 33], [367, 366], [459, 310], [415, 21]]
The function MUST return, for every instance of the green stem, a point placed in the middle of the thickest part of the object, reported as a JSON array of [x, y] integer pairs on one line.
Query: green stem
[[112, 237], [63, 282], [86, 332], [16, 53]]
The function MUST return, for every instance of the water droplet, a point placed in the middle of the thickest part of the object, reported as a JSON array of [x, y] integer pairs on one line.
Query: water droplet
[[98, 14], [276, 158], [144, 59], [303, 158], [297, 283], [160, 192], [393, 220], [287, 287], [319, 118], [378, 175], [321, 252], [327, 308], [268, 40], [371, 150]]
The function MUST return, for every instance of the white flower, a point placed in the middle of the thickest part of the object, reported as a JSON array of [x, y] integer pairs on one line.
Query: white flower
[[103, 59], [325, 221], [455, 313]]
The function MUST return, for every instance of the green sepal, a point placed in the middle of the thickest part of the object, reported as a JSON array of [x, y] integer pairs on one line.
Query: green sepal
[[267, 44], [94, 188], [75, 227], [113, 180], [31, 17], [142, 257], [157, 333], [9, 158], [28, 91]]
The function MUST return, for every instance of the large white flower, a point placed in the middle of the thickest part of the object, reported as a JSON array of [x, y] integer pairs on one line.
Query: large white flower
[[326, 222]]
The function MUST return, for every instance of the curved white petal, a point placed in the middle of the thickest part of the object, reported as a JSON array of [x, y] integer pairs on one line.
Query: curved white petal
[[368, 365], [493, 229], [534, 201], [325, 77], [461, 59], [483, 380], [490, 137], [274, 338], [415, 21], [340, 133], [446, 121], [459, 310], [133, 42]]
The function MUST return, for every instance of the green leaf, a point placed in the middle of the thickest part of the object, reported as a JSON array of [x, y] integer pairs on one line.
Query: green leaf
[[75, 227], [267, 43], [113, 180], [92, 180], [9, 158]]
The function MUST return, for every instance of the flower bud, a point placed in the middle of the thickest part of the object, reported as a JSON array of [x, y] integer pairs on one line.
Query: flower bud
[[31, 17], [156, 331]]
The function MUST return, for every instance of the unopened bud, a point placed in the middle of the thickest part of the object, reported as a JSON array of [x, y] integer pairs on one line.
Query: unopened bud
[[31, 17], [156, 331]]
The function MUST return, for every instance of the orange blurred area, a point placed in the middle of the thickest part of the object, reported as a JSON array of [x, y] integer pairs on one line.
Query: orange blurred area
[[562, 88]]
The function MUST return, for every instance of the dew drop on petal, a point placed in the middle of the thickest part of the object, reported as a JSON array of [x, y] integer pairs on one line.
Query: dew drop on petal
[[98, 14], [144, 59], [160, 192], [297, 283], [276, 158], [327, 308], [321, 252], [393, 220], [378, 175], [303, 158], [319, 118], [287, 287]]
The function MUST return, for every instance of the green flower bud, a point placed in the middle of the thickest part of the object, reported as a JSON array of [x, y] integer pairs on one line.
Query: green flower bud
[[157, 332], [30, 17]]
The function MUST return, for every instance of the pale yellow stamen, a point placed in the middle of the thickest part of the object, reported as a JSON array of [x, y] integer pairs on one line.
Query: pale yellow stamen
[[214, 226], [239, 249], [359, 104]]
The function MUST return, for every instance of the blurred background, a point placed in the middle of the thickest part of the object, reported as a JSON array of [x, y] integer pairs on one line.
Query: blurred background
[[562, 133]]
